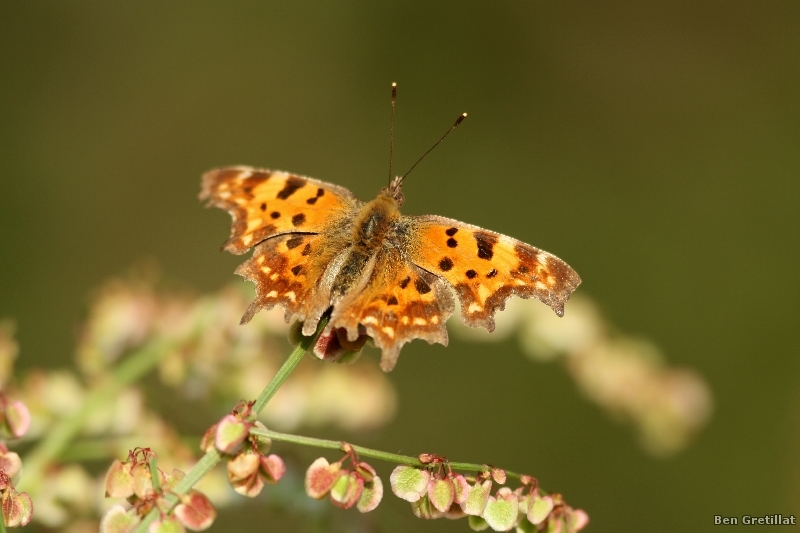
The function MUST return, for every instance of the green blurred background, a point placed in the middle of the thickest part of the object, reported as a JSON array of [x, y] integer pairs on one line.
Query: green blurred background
[[654, 147]]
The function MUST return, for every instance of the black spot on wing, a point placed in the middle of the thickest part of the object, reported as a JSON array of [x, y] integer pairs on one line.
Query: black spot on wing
[[485, 242], [452, 231], [452, 243], [405, 282], [313, 199], [275, 214], [421, 286], [446, 264], [298, 219], [471, 273], [391, 301], [294, 242], [306, 250], [263, 207], [296, 269], [292, 184]]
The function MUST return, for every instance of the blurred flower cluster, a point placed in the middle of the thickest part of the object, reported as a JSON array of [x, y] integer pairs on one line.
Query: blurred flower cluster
[[17, 507], [195, 346], [210, 355], [626, 376], [144, 486]]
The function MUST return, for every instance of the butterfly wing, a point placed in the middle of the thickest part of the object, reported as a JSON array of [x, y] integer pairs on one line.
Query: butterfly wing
[[283, 270], [264, 203], [486, 268], [398, 302]]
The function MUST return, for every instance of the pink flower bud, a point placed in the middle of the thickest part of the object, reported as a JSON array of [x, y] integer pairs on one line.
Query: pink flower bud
[[195, 511]]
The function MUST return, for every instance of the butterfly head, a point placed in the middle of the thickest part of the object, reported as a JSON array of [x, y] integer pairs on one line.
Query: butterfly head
[[394, 190]]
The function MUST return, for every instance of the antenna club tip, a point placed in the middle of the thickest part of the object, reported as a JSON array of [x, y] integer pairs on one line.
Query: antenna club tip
[[464, 115], [394, 84]]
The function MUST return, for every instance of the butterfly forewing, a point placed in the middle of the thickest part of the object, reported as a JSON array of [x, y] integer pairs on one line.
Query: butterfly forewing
[[486, 268], [264, 203]]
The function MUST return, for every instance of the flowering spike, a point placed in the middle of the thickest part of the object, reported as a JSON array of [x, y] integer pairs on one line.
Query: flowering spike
[[243, 474], [207, 443], [556, 526], [10, 463], [264, 444], [409, 483], [422, 508], [372, 495], [441, 494], [454, 512], [524, 526], [320, 477], [195, 511], [346, 490], [501, 512], [476, 523], [272, 468], [577, 520], [540, 509], [119, 481], [143, 480], [117, 520], [477, 498], [231, 433], [166, 525], [18, 418], [17, 508], [172, 479], [426, 458], [499, 476], [461, 488]]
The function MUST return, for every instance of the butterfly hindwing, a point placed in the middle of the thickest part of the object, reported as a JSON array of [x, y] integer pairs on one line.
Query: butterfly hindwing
[[264, 203], [282, 269], [486, 268], [399, 303]]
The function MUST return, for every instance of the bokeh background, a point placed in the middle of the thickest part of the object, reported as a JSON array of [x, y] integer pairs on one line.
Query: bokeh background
[[654, 147]]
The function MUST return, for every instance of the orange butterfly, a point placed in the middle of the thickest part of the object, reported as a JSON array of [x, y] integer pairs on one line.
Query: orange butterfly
[[318, 247]]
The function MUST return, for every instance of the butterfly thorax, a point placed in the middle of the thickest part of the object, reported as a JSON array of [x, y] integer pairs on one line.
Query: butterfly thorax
[[371, 229]]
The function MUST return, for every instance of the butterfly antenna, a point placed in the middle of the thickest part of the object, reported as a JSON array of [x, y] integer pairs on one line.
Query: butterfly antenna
[[460, 118], [391, 134]]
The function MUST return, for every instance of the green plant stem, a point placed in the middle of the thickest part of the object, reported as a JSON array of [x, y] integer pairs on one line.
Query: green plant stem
[[213, 457], [284, 371], [368, 452], [153, 464]]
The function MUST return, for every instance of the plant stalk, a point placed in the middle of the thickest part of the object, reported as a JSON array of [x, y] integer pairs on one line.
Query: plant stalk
[[368, 452], [213, 457]]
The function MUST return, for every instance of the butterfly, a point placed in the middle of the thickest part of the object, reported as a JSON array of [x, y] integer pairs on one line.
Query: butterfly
[[382, 275], [393, 277]]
